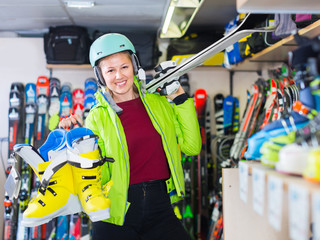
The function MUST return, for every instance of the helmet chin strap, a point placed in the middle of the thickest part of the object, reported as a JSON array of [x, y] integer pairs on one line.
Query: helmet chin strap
[[142, 77], [106, 94], [112, 103]]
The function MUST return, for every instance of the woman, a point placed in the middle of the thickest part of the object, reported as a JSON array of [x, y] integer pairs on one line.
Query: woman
[[145, 140]]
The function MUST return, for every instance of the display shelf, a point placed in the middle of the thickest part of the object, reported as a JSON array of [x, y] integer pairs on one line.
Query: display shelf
[[240, 216], [287, 179], [68, 66], [275, 6], [278, 52]]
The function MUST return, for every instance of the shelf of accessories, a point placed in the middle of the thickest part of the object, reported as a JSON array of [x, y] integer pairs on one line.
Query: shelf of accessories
[[69, 66], [241, 215], [275, 6], [277, 53], [286, 178]]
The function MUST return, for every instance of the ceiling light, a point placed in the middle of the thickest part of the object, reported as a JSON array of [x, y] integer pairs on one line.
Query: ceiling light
[[178, 18], [167, 20], [79, 4]]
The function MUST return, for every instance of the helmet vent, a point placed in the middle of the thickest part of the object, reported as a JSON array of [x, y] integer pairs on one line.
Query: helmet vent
[[122, 45]]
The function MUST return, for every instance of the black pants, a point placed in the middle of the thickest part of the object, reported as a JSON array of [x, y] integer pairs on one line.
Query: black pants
[[150, 217]]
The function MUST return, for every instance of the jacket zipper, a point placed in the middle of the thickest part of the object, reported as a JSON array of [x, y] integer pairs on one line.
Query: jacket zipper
[[124, 155], [166, 144], [125, 159]]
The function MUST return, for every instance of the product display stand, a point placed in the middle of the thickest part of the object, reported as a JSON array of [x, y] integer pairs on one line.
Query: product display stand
[[242, 219]]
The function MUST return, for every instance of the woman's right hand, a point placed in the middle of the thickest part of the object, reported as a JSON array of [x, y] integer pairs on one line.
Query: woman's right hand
[[73, 119]]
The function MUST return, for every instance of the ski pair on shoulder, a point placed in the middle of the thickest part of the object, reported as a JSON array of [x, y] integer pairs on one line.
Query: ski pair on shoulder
[[172, 72]]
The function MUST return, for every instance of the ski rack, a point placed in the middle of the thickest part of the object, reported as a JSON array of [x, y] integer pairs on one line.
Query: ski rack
[[245, 28]]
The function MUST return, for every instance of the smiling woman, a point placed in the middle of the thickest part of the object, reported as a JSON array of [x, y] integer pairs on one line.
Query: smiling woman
[[145, 140], [117, 71]]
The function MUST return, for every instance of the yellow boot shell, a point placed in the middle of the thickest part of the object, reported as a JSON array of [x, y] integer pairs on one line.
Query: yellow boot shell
[[88, 187], [60, 198]]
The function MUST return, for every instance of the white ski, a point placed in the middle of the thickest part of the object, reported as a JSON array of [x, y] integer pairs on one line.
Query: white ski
[[245, 28]]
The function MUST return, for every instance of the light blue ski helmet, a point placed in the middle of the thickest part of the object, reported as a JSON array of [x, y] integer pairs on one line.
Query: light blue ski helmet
[[108, 44]]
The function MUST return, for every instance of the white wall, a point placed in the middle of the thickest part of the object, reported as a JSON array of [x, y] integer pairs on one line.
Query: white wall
[[23, 60]]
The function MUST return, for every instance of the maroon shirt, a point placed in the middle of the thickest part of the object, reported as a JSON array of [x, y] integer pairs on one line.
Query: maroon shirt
[[146, 154]]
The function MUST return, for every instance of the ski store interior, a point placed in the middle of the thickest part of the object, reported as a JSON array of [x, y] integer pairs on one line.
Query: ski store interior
[[258, 173]]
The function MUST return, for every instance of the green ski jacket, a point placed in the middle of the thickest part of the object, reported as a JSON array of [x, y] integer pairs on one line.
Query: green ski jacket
[[179, 130]]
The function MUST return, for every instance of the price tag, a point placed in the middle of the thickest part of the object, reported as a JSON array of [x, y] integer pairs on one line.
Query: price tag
[[258, 182], [316, 215], [275, 192], [298, 212], [229, 49], [243, 181]]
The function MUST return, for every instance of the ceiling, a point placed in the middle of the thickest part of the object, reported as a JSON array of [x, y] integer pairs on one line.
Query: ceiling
[[33, 17]]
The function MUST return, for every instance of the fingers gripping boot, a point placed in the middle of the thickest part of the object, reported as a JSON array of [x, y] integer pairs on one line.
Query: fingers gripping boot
[[59, 198], [84, 155]]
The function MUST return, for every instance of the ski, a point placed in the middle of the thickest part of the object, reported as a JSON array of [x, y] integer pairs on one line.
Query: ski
[[78, 99], [78, 102], [85, 225], [23, 233], [228, 115], [54, 103], [248, 122], [218, 109], [75, 227], [42, 90], [30, 111], [90, 88], [200, 99], [235, 122], [270, 102], [188, 202], [42, 104], [15, 135], [63, 228], [65, 100], [245, 28], [187, 206], [216, 214]]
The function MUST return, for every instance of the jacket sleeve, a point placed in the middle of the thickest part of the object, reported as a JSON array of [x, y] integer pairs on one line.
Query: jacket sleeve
[[187, 127], [91, 123]]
